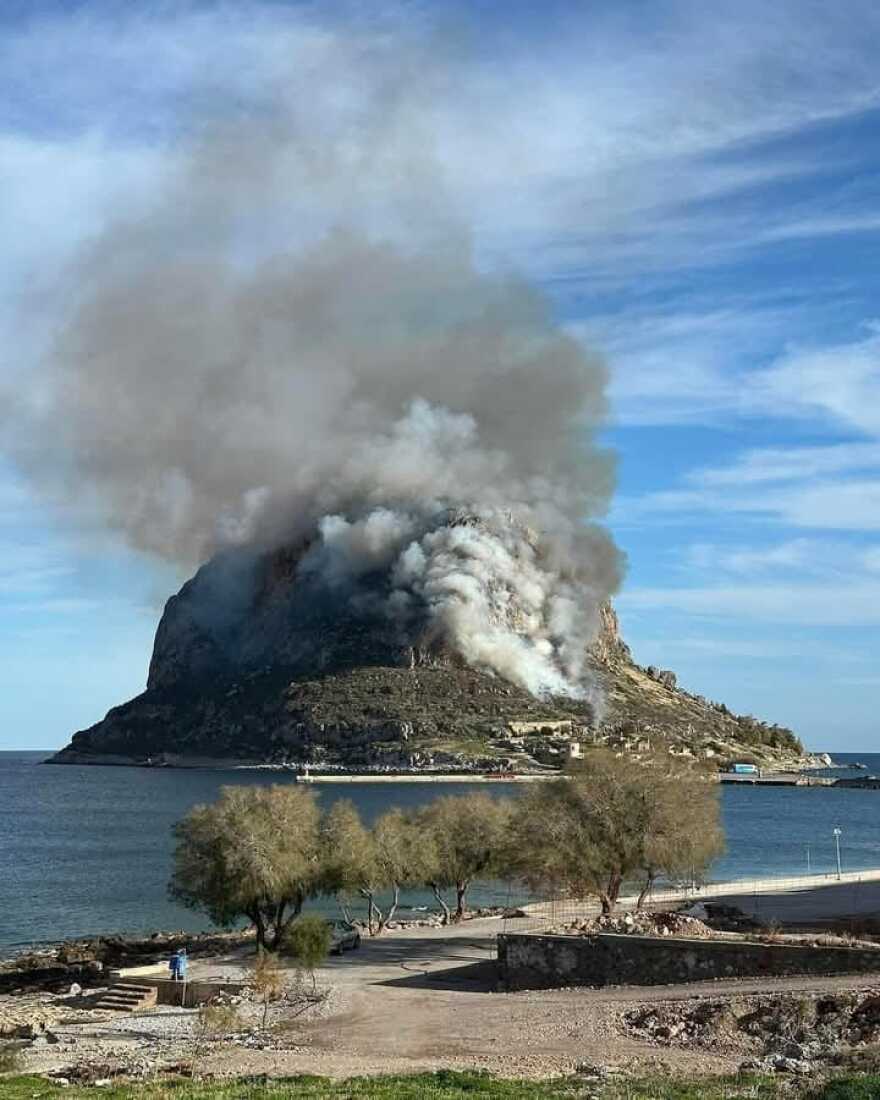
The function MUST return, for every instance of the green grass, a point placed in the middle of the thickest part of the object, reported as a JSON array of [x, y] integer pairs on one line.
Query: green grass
[[444, 1085], [447, 1085], [866, 1087]]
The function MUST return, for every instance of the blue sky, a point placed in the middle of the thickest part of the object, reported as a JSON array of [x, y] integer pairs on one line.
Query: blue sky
[[696, 187]]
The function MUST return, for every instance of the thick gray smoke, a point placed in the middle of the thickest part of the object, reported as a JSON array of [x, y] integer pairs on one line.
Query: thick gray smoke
[[363, 387]]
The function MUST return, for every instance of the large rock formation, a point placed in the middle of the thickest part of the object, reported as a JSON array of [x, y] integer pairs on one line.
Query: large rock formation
[[647, 705], [254, 663]]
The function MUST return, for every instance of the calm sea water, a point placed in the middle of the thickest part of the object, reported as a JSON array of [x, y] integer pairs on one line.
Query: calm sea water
[[87, 850]]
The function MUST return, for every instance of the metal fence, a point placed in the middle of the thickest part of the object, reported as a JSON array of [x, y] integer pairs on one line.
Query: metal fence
[[848, 902]]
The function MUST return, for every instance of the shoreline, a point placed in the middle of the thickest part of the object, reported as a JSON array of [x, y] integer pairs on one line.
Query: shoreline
[[784, 771], [797, 892], [428, 777]]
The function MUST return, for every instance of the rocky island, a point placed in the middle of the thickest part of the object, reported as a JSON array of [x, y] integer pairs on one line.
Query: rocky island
[[256, 663]]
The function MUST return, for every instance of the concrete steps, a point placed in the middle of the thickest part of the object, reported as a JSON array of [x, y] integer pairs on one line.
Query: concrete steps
[[128, 996]]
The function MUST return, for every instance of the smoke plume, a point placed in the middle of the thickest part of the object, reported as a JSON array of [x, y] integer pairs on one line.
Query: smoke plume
[[352, 382]]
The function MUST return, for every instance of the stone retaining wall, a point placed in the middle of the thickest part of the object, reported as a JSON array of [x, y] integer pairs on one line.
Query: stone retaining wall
[[189, 994], [532, 961]]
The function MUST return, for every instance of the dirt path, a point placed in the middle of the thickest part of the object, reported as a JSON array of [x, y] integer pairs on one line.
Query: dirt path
[[425, 999]]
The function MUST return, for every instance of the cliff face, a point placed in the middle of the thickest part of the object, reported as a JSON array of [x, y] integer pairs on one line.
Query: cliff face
[[252, 662]]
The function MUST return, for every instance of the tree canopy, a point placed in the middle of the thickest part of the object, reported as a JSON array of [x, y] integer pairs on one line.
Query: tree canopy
[[614, 819], [254, 853], [465, 838]]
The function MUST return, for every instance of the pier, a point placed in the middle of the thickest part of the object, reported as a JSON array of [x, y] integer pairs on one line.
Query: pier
[[776, 779]]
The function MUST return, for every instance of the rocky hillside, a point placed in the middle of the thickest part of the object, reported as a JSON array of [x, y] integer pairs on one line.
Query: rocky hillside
[[254, 663], [646, 704]]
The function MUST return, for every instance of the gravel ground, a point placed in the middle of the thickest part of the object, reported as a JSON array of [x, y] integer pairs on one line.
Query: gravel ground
[[420, 999]]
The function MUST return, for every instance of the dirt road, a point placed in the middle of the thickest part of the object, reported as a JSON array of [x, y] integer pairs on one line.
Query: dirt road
[[425, 999]]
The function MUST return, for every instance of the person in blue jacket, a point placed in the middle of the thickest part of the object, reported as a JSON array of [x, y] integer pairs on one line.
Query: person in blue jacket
[[177, 966]]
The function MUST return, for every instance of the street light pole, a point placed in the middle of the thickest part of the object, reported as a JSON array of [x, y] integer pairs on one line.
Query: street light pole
[[837, 833]]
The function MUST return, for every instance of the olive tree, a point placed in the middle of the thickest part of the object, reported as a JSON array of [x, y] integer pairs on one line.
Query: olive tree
[[390, 856], [464, 839], [350, 863], [685, 833], [253, 853], [614, 819], [402, 853]]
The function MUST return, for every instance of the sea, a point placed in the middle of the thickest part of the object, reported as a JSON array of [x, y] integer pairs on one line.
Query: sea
[[87, 850]]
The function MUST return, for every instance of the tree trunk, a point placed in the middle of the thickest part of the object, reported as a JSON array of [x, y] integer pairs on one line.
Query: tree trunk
[[282, 922], [373, 911], [260, 925], [441, 901], [460, 891], [369, 897], [280, 926], [646, 890], [392, 909], [609, 896]]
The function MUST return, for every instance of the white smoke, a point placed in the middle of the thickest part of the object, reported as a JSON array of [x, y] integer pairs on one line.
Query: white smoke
[[488, 584], [349, 385]]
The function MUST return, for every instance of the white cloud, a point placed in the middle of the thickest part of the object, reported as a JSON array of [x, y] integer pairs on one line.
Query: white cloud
[[699, 366], [602, 150], [823, 227], [773, 464], [826, 605], [839, 381], [826, 487], [798, 559], [685, 364], [796, 553], [759, 649], [852, 505]]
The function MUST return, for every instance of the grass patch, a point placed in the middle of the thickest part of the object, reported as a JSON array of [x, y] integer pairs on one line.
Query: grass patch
[[709, 1088], [444, 1085], [865, 1087], [449, 1085]]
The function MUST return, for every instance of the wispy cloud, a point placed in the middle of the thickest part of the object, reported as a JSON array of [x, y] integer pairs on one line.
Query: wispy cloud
[[823, 605], [711, 649], [793, 554], [844, 505], [839, 381], [778, 464], [822, 227], [563, 158]]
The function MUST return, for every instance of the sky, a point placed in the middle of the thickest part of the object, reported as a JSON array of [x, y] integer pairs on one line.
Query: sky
[[695, 186]]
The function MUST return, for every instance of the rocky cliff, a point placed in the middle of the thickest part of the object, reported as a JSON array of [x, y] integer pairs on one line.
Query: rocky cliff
[[252, 662]]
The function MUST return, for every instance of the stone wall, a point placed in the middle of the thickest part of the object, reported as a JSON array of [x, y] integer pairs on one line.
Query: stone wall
[[189, 993], [531, 961]]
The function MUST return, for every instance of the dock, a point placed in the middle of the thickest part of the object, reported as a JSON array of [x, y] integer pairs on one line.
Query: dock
[[776, 779]]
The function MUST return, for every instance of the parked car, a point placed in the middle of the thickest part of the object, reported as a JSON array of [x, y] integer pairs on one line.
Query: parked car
[[343, 937]]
